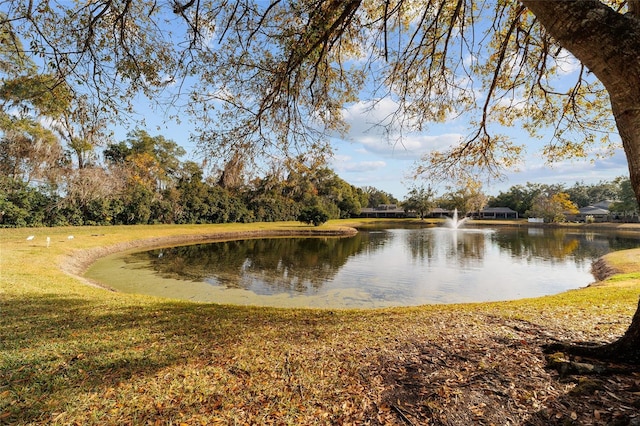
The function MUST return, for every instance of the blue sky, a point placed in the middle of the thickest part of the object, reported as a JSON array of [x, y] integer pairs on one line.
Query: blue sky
[[385, 167]]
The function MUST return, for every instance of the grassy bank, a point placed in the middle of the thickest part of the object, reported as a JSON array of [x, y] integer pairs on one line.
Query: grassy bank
[[71, 353]]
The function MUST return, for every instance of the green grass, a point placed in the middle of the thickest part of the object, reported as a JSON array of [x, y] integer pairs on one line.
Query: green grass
[[75, 354]]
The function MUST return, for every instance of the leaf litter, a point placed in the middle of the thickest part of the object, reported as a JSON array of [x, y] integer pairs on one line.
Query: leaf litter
[[492, 371], [206, 364]]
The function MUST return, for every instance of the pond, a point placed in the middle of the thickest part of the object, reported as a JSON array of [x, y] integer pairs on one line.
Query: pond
[[375, 268]]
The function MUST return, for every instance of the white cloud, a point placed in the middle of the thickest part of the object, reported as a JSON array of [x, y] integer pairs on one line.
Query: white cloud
[[367, 121], [346, 165], [411, 147], [567, 63], [566, 172], [370, 116]]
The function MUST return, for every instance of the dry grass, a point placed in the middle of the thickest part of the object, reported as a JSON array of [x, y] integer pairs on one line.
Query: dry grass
[[75, 354]]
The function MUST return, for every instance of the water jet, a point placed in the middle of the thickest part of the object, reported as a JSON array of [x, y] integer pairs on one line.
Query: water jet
[[454, 222]]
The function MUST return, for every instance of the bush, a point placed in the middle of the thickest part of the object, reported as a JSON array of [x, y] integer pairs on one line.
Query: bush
[[313, 215]]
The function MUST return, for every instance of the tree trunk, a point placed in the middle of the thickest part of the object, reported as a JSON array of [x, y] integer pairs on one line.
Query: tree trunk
[[627, 348], [608, 43]]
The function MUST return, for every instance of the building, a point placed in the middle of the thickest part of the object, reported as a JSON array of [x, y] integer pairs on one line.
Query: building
[[439, 212], [383, 211], [497, 213], [596, 213]]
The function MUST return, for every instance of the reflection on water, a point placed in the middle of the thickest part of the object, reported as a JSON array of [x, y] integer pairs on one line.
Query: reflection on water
[[264, 266], [376, 267]]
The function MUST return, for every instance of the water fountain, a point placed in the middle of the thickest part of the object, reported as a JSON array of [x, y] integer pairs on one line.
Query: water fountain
[[454, 222]]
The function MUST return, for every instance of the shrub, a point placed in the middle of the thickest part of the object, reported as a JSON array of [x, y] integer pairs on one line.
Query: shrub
[[313, 215]]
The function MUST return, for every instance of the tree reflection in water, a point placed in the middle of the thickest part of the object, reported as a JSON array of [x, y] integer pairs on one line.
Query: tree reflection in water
[[556, 245], [463, 248], [264, 266]]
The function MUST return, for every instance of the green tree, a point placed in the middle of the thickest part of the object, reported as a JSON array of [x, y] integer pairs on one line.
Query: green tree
[[30, 150], [83, 127], [22, 205], [225, 206], [338, 192], [155, 155], [376, 197], [467, 198], [192, 206], [521, 197], [626, 203], [14, 59], [553, 207], [579, 194], [36, 95], [265, 198], [15, 203], [136, 199], [116, 153], [517, 198], [419, 200], [313, 183], [149, 168], [313, 215], [585, 195]]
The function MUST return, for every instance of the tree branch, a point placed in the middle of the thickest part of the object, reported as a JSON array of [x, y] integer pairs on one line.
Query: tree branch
[[633, 7]]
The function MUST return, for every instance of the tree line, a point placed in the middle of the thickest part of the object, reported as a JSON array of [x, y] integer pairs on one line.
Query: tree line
[[552, 202], [59, 167], [143, 180]]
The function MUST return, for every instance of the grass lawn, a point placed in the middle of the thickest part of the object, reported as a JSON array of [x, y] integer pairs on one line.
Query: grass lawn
[[71, 353]]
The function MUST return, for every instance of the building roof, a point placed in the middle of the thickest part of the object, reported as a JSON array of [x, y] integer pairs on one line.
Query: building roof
[[593, 210], [383, 208], [440, 210], [604, 204], [497, 210]]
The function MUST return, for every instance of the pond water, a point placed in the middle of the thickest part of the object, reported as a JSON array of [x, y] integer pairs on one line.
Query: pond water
[[375, 268]]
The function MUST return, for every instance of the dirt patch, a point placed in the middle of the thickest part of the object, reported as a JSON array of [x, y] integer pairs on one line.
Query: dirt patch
[[495, 372]]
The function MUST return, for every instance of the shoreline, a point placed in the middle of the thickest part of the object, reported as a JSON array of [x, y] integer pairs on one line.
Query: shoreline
[[601, 270]]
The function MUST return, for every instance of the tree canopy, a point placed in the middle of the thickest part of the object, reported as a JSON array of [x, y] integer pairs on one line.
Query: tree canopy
[[273, 78]]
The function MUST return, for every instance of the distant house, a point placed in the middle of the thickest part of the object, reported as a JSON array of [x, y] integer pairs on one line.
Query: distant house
[[439, 212], [497, 213], [598, 213], [383, 211], [605, 204]]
